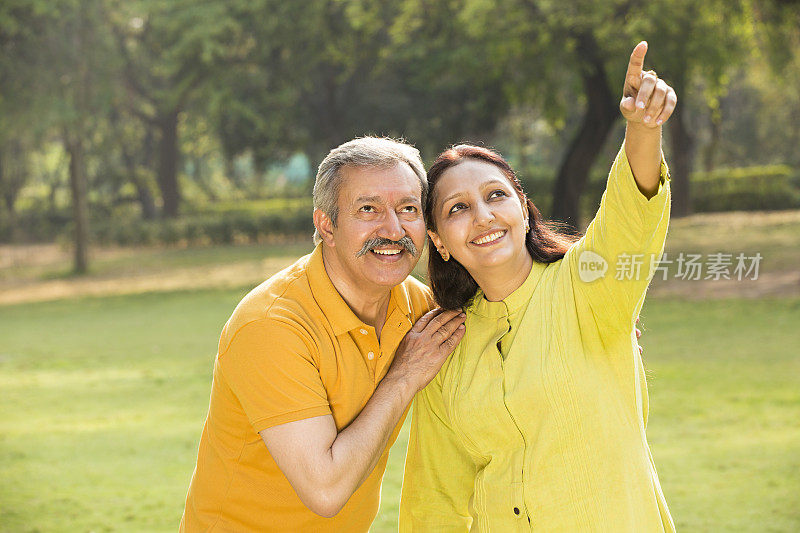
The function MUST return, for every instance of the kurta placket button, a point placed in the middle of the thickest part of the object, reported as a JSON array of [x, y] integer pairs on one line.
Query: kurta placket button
[[363, 331], [516, 511], [371, 356]]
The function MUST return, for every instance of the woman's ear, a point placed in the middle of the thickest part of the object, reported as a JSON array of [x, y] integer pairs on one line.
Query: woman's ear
[[437, 242], [526, 215]]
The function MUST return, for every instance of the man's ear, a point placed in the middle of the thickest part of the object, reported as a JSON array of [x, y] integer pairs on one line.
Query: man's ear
[[324, 226]]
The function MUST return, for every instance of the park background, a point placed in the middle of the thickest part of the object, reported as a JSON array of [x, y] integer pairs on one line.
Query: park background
[[156, 162]]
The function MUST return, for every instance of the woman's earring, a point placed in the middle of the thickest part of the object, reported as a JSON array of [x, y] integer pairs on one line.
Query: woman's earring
[[527, 225], [445, 254]]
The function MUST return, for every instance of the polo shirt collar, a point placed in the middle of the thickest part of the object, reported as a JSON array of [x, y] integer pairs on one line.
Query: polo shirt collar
[[341, 317]]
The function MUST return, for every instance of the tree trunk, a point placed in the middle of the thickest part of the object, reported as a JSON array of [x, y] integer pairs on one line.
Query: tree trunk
[[143, 193], [80, 211], [710, 152], [168, 163], [145, 198], [601, 112], [682, 157], [12, 178]]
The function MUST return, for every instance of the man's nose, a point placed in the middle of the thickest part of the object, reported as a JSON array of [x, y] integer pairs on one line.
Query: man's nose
[[391, 228]]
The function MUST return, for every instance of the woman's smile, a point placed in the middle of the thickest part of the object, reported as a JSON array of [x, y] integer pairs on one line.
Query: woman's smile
[[490, 238]]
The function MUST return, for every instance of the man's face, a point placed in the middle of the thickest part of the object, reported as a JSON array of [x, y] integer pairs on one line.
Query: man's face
[[378, 207]]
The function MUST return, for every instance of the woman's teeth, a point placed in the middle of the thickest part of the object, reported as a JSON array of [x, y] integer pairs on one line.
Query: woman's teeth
[[489, 238]]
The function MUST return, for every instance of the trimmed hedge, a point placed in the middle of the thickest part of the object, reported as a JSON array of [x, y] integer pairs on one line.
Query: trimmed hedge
[[223, 228], [746, 189]]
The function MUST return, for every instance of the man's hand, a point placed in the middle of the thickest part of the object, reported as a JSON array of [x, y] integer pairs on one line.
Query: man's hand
[[638, 334], [425, 348], [646, 99]]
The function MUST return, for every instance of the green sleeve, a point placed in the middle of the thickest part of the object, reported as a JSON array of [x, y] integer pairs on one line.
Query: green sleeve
[[626, 237], [439, 473]]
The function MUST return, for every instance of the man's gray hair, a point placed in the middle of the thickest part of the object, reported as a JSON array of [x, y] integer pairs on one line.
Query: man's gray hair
[[378, 152]]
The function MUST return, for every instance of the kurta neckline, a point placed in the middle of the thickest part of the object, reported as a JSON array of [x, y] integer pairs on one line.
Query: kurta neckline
[[511, 303]]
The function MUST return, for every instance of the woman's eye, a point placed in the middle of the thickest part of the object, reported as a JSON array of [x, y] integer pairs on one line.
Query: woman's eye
[[496, 194], [457, 207]]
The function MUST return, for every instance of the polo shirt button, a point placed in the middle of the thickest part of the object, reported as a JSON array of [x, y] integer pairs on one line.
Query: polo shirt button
[[370, 356], [363, 331], [516, 510]]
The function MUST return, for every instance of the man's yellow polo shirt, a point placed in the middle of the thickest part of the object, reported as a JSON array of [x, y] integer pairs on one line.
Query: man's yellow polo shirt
[[292, 350]]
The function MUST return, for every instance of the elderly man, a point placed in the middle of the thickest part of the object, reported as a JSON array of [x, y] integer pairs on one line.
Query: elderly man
[[317, 366]]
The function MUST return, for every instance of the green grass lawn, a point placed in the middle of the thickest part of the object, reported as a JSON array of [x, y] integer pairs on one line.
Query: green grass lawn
[[102, 403]]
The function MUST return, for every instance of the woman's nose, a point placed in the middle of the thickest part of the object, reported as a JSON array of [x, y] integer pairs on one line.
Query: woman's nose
[[483, 214]]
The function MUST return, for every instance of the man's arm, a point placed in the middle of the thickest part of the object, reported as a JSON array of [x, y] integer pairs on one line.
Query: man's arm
[[325, 467]]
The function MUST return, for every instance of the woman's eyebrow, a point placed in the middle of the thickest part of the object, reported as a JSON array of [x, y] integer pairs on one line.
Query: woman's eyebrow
[[454, 195], [484, 185], [491, 183]]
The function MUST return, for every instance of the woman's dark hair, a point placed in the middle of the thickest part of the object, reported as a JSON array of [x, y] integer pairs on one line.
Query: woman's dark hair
[[546, 241]]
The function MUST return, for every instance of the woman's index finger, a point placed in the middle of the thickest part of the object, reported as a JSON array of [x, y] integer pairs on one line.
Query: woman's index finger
[[633, 76]]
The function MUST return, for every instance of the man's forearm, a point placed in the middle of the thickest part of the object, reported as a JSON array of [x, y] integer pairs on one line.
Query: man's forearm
[[357, 448]]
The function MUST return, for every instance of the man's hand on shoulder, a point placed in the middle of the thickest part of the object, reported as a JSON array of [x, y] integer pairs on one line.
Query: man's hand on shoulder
[[425, 348]]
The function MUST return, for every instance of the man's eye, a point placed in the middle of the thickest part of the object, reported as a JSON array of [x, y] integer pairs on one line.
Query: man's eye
[[497, 194], [409, 209], [457, 207], [366, 209]]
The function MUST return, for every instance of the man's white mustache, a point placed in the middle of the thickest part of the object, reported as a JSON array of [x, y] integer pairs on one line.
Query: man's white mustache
[[404, 242]]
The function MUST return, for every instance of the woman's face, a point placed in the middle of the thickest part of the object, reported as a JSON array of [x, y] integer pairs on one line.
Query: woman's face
[[480, 219]]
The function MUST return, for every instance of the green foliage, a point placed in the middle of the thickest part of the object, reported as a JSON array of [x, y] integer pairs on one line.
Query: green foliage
[[746, 189]]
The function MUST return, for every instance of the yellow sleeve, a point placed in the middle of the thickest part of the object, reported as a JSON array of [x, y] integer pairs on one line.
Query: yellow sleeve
[[273, 375], [612, 264], [439, 474]]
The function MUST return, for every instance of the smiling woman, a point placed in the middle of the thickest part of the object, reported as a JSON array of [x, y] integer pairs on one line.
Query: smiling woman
[[481, 183]]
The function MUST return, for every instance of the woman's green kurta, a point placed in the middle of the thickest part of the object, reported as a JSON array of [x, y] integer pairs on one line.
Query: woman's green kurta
[[537, 420]]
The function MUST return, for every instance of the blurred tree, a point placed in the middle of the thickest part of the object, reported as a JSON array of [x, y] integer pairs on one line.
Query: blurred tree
[[20, 24], [76, 49], [695, 46], [561, 55], [59, 67], [322, 73], [453, 88], [171, 49], [14, 173], [307, 83]]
